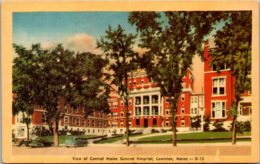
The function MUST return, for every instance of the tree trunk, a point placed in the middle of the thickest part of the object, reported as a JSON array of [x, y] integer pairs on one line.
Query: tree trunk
[[234, 138], [55, 132], [174, 135], [127, 124], [27, 126], [50, 125], [126, 107]]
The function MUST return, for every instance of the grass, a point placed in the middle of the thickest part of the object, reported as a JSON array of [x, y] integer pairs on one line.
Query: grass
[[63, 138], [113, 140], [201, 137]]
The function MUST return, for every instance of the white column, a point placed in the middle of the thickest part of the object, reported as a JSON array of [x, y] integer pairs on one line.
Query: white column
[[141, 105], [150, 105]]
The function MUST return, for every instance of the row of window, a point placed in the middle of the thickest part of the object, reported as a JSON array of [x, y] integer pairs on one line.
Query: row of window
[[77, 122], [146, 100], [146, 111]]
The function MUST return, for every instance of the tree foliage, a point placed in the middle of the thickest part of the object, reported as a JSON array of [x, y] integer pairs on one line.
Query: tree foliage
[[233, 49], [171, 40], [52, 75], [118, 49], [23, 93]]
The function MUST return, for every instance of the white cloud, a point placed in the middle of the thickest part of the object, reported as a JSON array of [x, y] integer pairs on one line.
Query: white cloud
[[48, 45], [81, 42]]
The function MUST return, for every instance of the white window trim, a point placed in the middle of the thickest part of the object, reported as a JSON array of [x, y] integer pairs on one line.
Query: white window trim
[[183, 121], [225, 86], [66, 122], [182, 110], [214, 101]]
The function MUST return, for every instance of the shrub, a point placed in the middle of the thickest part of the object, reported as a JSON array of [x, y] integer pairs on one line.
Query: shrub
[[218, 126], [63, 132], [40, 131], [155, 131], [206, 125], [242, 127], [196, 122], [77, 132]]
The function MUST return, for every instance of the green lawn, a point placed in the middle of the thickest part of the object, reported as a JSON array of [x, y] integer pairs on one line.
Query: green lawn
[[63, 138], [112, 140], [200, 137]]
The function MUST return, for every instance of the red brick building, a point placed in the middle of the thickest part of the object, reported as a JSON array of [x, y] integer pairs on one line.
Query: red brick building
[[147, 108], [73, 119], [220, 93]]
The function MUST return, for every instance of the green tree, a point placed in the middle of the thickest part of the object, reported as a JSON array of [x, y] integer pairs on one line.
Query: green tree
[[86, 88], [62, 74], [233, 49], [118, 49], [23, 83], [171, 40]]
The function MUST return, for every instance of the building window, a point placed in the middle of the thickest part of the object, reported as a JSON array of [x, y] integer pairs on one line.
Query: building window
[[137, 111], [218, 109], [167, 123], [137, 122], [121, 124], [167, 112], [142, 81], [146, 99], [155, 110], [44, 117], [154, 121], [219, 86], [129, 113], [66, 120], [115, 104], [137, 100], [122, 114], [182, 110], [146, 110], [130, 102], [194, 111], [89, 122], [201, 103], [154, 99], [245, 109], [182, 97], [196, 100], [77, 121], [114, 115], [130, 123], [122, 103], [182, 122], [84, 122]]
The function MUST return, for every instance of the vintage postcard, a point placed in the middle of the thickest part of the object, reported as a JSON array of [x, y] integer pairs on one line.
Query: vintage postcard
[[130, 81]]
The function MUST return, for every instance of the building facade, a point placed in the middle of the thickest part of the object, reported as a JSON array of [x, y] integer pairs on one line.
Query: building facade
[[148, 108], [220, 93]]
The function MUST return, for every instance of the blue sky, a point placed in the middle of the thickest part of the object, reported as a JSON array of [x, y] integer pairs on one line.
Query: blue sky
[[77, 31], [55, 27]]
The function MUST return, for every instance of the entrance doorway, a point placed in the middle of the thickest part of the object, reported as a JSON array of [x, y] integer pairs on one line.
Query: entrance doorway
[[145, 122]]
